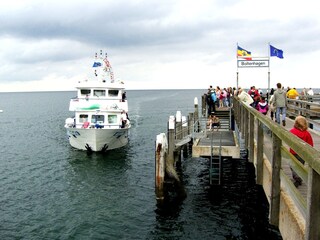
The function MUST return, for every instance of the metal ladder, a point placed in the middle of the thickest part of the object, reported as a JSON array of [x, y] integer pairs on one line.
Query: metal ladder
[[215, 170]]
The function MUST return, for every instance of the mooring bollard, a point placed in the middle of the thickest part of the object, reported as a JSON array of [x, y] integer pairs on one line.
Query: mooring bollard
[[161, 150]]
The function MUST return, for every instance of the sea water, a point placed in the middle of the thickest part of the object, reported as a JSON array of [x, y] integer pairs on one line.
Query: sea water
[[48, 190]]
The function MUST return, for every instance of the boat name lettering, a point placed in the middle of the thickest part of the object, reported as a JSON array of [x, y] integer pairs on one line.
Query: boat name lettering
[[118, 134], [74, 133]]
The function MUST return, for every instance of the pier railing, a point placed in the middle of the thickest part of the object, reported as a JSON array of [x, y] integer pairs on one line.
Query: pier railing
[[310, 98], [309, 108], [268, 146]]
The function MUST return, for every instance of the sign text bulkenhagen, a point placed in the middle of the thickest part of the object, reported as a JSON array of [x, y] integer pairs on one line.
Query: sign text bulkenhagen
[[253, 63]]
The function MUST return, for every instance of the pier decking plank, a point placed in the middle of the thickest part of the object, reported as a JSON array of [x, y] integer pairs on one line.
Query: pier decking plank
[[227, 138]]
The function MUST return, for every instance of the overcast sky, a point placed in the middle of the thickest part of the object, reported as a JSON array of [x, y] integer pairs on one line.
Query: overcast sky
[[49, 45]]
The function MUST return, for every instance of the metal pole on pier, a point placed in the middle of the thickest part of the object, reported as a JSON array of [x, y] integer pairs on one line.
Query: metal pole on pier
[[268, 91]]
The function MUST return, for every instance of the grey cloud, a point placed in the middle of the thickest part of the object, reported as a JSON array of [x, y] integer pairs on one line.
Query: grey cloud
[[60, 32], [112, 24]]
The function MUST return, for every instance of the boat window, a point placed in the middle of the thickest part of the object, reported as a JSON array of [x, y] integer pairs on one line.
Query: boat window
[[85, 92], [112, 119], [113, 93], [83, 118], [97, 119], [99, 93]]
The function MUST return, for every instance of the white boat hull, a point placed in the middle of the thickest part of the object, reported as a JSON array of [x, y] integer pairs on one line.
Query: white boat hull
[[92, 139]]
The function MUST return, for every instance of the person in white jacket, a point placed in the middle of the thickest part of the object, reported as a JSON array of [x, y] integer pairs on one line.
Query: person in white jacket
[[244, 97], [310, 92]]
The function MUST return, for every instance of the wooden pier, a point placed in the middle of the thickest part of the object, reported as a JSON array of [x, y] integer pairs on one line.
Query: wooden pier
[[295, 211]]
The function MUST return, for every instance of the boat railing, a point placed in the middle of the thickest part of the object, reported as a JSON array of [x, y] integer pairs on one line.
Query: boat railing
[[98, 98], [98, 105], [91, 126]]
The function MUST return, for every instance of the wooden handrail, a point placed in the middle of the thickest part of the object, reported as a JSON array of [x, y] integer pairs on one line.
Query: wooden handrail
[[243, 116]]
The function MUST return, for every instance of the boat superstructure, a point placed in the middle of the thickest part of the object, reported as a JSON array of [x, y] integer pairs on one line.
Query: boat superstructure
[[100, 121]]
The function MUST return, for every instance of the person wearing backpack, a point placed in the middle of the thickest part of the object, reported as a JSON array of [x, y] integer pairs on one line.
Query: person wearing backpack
[[280, 100], [214, 100], [210, 102]]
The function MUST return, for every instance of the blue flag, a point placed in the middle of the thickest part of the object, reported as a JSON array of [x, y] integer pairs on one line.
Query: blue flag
[[96, 64], [274, 52]]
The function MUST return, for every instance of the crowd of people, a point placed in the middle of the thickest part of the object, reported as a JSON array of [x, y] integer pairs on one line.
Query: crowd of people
[[275, 103], [218, 98]]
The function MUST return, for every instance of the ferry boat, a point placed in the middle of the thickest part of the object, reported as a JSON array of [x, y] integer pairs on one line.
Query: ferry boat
[[100, 121]]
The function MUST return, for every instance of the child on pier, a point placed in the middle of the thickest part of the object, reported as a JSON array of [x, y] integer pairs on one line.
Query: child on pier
[[300, 129], [213, 121]]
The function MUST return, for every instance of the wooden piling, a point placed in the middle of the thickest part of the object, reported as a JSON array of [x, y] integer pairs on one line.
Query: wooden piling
[[178, 125], [246, 129], [260, 140], [242, 120], [313, 199], [161, 150], [190, 123], [196, 115], [184, 130], [172, 156], [275, 184], [171, 138], [204, 105], [251, 138]]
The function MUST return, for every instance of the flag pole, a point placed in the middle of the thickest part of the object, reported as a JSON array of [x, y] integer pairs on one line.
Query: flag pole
[[268, 96], [237, 67]]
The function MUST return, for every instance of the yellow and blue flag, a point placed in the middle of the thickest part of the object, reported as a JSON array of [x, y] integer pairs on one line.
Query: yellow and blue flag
[[244, 53]]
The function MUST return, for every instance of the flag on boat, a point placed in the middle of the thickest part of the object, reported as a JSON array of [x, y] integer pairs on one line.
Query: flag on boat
[[96, 64], [107, 63], [275, 52], [244, 53]]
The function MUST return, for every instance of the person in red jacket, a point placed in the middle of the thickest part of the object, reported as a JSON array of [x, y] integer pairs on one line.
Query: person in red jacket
[[300, 129], [254, 93]]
